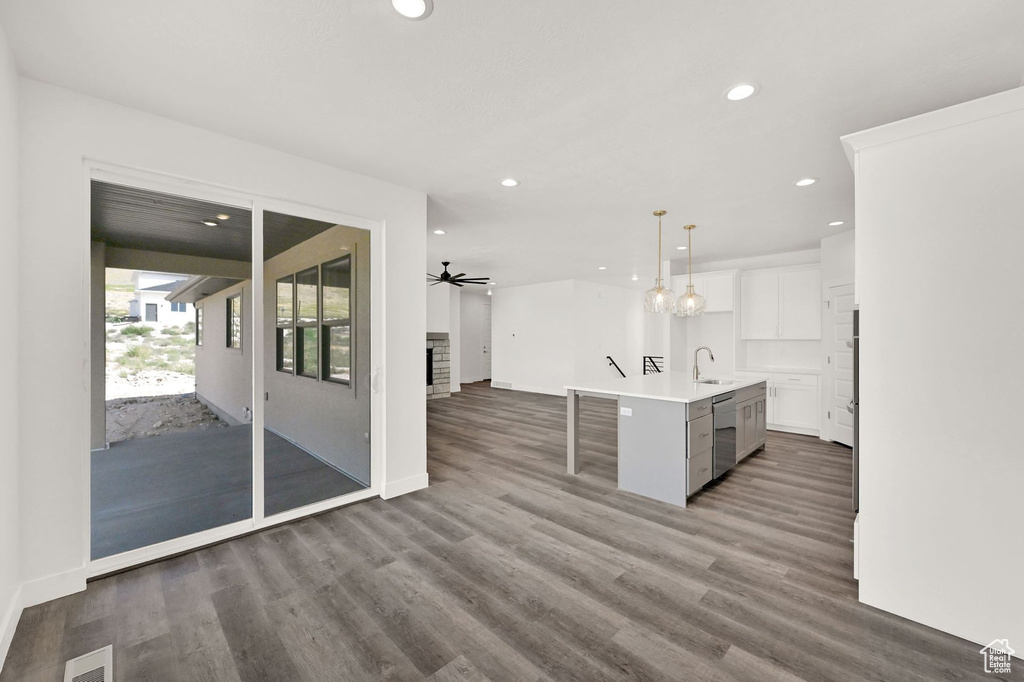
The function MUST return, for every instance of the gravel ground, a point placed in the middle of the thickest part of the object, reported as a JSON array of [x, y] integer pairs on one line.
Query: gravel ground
[[129, 418]]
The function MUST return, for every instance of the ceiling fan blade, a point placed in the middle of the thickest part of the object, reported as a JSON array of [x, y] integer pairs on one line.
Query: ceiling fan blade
[[436, 283], [434, 276], [461, 274], [466, 281], [456, 284], [473, 279]]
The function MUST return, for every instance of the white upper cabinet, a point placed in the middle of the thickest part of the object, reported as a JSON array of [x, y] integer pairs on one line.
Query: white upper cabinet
[[800, 304], [759, 305], [717, 288], [781, 304]]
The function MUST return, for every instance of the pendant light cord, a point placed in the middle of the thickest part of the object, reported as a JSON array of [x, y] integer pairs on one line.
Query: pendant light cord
[[659, 252]]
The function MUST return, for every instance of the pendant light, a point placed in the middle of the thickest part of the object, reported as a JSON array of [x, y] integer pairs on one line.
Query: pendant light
[[690, 304], [659, 299]]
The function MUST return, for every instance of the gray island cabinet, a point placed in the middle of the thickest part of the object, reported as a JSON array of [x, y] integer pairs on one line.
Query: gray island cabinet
[[675, 435]]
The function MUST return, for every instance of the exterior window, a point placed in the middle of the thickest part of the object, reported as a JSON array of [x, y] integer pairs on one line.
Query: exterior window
[[336, 326], [178, 307], [285, 324], [306, 319], [234, 320], [199, 326]]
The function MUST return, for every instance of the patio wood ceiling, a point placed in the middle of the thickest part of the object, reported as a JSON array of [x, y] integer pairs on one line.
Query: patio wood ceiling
[[133, 218]]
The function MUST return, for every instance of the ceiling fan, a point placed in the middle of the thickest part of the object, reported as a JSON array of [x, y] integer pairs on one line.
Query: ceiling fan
[[457, 280]]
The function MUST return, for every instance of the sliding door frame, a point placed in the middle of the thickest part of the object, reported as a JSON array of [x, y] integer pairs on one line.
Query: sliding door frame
[[257, 204]]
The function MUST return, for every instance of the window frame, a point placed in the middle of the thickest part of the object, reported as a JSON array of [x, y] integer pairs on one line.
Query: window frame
[[229, 326], [299, 336], [280, 329], [326, 327], [199, 325]]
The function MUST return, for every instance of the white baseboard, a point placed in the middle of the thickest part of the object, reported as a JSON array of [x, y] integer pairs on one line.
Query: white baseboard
[[9, 623], [794, 429], [405, 485], [53, 586]]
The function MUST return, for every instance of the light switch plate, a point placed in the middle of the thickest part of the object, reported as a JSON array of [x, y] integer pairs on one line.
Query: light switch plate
[[626, 411]]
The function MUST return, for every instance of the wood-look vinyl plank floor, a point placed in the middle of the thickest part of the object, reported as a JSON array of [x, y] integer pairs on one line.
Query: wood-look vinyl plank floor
[[507, 568]]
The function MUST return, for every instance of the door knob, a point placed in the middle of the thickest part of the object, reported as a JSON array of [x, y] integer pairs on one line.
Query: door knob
[[849, 407]]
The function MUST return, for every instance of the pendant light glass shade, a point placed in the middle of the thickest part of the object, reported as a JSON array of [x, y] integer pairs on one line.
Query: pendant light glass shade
[[690, 304], [659, 299]]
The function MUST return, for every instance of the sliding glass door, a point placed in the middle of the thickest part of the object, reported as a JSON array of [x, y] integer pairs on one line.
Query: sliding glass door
[[316, 330], [173, 354], [231, 365]]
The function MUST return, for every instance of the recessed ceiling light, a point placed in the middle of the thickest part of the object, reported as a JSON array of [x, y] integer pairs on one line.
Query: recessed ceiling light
[[413, 9], [740, 91], [438, 231], [209, 223], [223, 216], [680, 248], [635, 278], [491, 283], [509, 182], [489, 293], [601, 267], [804, 182], [835, 223]]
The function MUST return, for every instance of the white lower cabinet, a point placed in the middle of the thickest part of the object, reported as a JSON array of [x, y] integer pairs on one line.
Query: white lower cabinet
[[792, 401]]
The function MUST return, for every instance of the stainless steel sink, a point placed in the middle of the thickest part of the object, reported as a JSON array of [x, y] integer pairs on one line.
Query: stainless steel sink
[[716, 382]]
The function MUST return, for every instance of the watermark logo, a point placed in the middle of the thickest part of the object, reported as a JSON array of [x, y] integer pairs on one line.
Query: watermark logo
[[997, 656]]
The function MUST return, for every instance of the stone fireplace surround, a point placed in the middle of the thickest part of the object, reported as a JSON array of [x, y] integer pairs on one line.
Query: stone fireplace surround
[[441, 379]]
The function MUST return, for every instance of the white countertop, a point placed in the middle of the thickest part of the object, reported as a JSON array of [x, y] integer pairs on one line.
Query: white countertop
[[672, 386]]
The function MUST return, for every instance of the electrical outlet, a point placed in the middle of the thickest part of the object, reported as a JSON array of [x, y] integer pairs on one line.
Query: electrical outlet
[[626, 411]]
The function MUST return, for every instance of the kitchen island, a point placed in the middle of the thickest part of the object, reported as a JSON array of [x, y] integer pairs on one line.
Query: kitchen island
[[675, 435]]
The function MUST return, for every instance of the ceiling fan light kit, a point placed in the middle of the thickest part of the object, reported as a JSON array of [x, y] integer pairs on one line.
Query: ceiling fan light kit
[[458, 280], [690, 304], [659, 299]]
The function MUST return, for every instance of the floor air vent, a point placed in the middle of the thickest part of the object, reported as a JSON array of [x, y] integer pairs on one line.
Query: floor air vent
[[95, 667], [501, 384]]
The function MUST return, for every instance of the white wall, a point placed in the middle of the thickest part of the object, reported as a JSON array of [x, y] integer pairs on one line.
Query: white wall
[[533, 337], [837, 259], [439, 305], [60, 129], [474, 313], [455, 338], [608, 320], [939, 239], [224, 375], [546, 336], [10, 575]]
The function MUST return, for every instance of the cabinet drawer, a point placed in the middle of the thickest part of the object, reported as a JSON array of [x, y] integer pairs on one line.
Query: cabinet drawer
[[700, 435], [698, 409], [751, 392], [796, 379], [698, 472]]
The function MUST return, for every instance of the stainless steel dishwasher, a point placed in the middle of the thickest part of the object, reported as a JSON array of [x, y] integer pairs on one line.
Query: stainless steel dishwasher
[[724, 409]]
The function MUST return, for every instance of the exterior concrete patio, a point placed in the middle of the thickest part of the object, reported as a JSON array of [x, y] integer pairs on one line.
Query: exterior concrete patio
[[149, 490]]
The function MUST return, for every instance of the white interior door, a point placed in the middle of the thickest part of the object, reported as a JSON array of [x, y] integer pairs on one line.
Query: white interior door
[[839, 365], [487, 339]]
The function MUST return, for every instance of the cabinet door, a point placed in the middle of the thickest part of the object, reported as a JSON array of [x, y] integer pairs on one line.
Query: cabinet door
[[746, 424], [761, 420], [800, 304], [718, 290], [796, 406], [741, 434], [759, 303]]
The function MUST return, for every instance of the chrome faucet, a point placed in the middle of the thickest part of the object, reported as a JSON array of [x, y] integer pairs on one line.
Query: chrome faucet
[[696, 368]]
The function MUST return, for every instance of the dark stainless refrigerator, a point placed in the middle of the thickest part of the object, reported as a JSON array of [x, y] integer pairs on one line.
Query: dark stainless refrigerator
[[856, 409]]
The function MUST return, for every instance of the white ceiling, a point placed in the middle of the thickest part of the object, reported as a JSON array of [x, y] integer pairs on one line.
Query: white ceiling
[[604, 110]]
